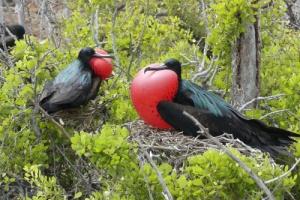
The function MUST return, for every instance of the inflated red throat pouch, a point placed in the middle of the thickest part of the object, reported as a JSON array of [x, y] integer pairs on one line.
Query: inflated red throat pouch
[[148, 89], [102, 67]]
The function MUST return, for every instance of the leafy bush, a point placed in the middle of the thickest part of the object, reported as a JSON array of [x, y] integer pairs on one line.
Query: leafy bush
[[54, 166]]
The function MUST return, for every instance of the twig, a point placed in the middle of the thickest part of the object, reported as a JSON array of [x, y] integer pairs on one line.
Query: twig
[[76, 170], [113, 37], [259, 182], [19, 8], [95, 27], [4, 52], [34, 81], [166, 192], [272, 113], [174, 147], [284, 174], [289, 193], [212, 76], [201, 67], [114, 44], [35, 126], [203, 7], [1, 12], [242, 107], [10, 34], [54, 122], [136, 50], [141, 162]]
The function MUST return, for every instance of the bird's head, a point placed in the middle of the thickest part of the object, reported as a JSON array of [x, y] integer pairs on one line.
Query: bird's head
[[87, 53], [170, 64], [98, 61], [17, 30]]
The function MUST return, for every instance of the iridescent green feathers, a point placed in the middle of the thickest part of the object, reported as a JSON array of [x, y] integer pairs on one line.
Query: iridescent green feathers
[[205, 100]]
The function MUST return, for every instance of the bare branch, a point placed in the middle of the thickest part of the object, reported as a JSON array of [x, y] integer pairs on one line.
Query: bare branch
[[95, 27], [204, 131], [113, 37], [294, 22], [166, 193], [141, 162], [212, 76], [19, 8], [1, 12], [36, 128], [272, 113], [61, 128], [242, 107], [203, 7], [284, 174], [137, 49], [75, 168]]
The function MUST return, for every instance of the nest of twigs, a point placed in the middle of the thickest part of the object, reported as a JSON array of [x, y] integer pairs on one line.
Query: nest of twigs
[[163, 145], [174, 147], [89, 118]]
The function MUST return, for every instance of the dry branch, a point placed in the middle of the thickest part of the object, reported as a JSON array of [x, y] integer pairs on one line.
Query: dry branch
[[242, 107], [113, 37], [273, 113], [61, 128], [204, 131], [95, 27], [284, 174], [166, 193], [141, 163]]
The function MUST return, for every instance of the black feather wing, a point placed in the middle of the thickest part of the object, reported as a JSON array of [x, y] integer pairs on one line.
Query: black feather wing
[[69, 89], [252, 132], [47, 92], [73, 92]]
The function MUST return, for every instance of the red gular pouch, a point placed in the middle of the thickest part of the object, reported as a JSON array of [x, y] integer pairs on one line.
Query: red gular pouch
[[148, 89], [102, 67]]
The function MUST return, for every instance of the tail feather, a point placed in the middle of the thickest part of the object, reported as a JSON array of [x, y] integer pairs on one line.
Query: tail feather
[[275, 136], [252, 132], [50, 107], [278, 131]]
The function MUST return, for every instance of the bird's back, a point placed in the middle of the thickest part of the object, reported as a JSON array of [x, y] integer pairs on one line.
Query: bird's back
[[220, 117], [191, 94], [70, 88]]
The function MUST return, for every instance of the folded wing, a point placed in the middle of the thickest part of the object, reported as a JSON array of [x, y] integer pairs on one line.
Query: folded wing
[[252, 132], [70, 88]]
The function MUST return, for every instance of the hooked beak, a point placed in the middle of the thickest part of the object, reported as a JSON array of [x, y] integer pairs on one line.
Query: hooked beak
[[161, 67], [98, 55]]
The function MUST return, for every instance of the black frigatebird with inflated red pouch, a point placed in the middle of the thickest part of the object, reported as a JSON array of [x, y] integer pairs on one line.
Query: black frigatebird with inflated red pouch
[[78, 83], [208, 108]]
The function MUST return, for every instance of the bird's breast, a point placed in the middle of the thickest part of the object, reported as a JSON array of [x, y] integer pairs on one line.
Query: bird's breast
[[148, 89]]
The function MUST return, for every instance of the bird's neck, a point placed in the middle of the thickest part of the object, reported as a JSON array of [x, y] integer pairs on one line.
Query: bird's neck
[[85, 65], [178, 90]]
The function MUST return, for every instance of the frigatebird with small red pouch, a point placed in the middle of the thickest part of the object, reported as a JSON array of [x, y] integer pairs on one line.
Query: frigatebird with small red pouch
[[78, 83]]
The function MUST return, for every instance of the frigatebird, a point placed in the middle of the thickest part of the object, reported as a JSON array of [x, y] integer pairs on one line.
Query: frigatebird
[[15, 32], [208, 108], [75, 85]]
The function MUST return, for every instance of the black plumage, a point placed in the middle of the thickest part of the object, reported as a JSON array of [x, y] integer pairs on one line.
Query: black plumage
[[74, 86], [16, 32], [218, 116]]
